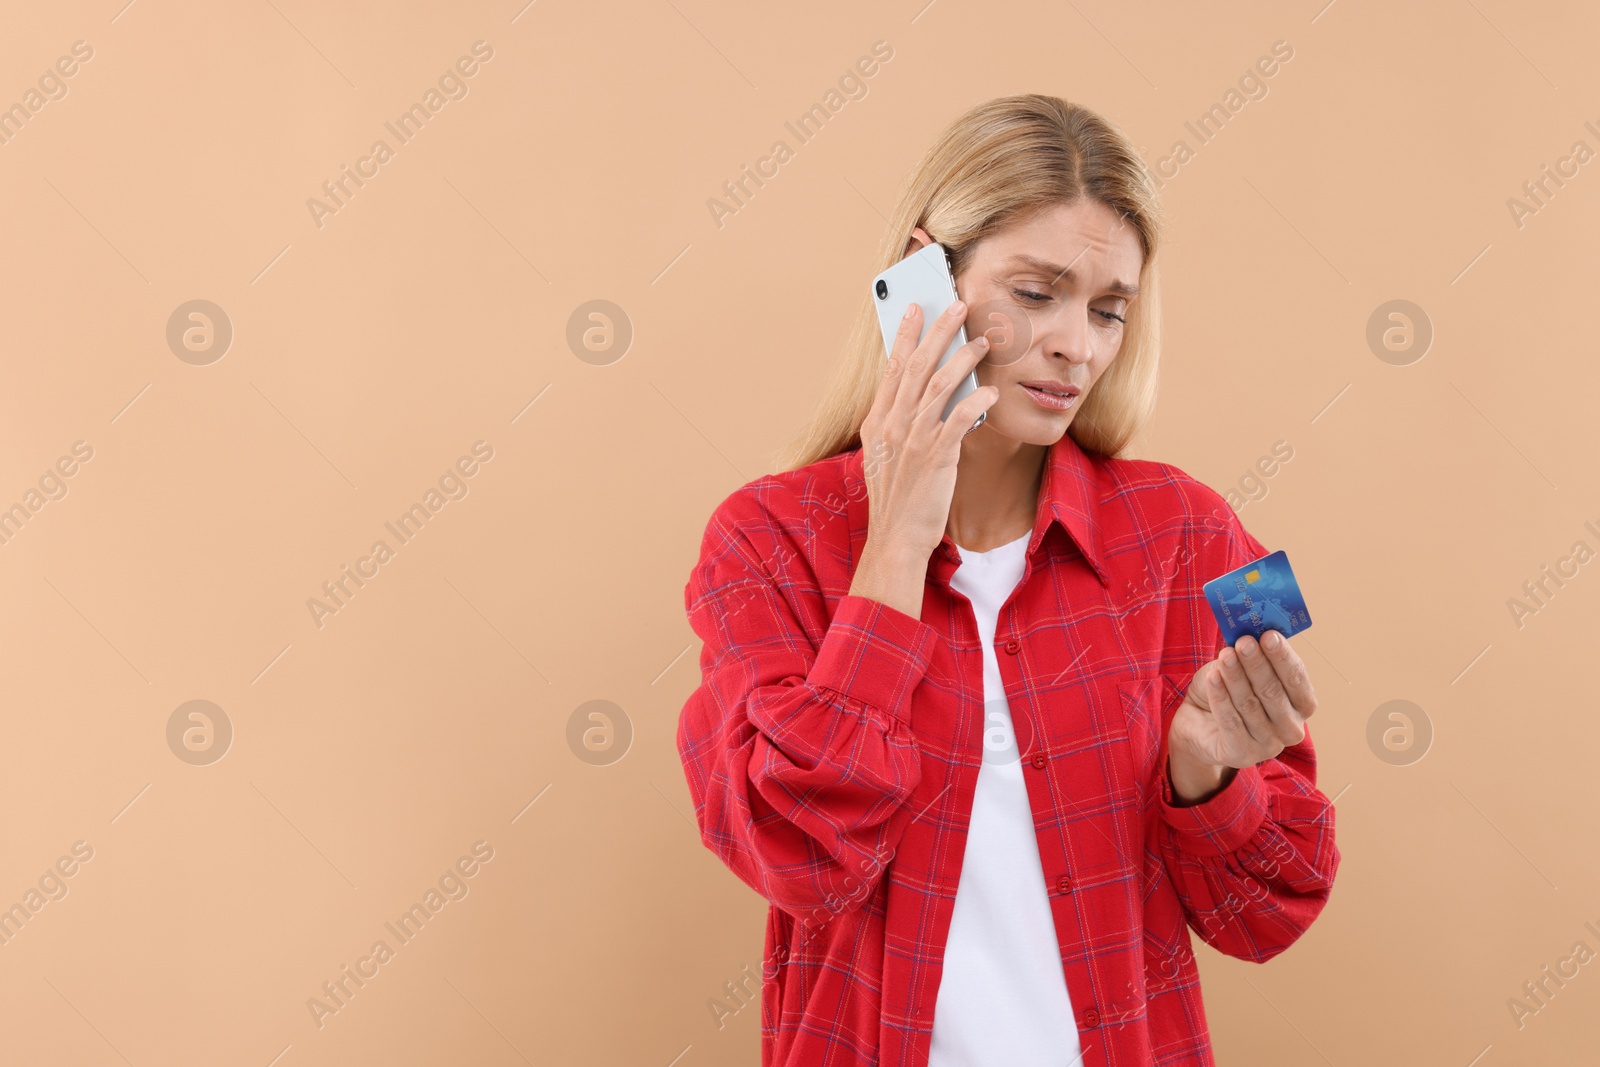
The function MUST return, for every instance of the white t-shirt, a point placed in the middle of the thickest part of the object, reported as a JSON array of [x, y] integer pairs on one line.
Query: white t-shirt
[[1003, 992]]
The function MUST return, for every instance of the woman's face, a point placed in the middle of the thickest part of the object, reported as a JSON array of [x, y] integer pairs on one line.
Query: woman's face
[[1052, 292]]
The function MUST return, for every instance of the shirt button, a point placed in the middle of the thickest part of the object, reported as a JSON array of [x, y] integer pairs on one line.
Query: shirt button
[[1064, 884], [1039, 759], [1090, 1018], [1012, 646]]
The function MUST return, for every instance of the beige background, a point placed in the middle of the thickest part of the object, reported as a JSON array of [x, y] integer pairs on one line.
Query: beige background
[[431, 312]]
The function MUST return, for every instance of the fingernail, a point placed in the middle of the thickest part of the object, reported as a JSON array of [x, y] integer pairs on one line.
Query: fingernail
[[1270, 641], [957, 308], [1247, 648], [980, 342], [910, 308]]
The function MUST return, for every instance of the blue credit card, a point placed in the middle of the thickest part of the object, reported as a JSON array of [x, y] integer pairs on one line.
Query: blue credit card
[[1260, 596]]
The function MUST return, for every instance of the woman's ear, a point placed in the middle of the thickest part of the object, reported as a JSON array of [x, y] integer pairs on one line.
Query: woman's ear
[[919, 240]]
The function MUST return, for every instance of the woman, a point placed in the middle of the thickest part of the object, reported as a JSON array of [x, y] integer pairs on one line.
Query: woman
[[964, 721]]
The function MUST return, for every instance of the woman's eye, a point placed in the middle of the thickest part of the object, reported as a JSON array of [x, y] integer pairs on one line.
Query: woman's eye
[[1032, 297]]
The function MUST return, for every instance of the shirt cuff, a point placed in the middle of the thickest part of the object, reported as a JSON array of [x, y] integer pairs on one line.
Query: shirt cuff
[[875, 655], [1225, 821]]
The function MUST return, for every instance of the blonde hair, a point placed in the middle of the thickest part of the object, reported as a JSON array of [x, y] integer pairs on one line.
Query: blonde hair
[[996, 165]]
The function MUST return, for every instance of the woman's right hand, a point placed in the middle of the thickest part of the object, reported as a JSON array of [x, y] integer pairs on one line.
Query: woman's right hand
[[913, 454]]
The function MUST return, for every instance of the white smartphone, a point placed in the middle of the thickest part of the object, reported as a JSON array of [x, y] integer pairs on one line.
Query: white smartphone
[[923, 278]]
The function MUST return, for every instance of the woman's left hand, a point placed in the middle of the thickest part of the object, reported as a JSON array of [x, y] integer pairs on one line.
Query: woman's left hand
[[1245, 706]]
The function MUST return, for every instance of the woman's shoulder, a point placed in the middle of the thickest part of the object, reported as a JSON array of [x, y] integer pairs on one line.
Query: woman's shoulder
[[783, 505], [1166, 489], [1165, 503], [786, 494]]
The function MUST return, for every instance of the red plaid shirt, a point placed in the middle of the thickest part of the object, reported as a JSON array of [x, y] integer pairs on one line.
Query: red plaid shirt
[[834, 743]]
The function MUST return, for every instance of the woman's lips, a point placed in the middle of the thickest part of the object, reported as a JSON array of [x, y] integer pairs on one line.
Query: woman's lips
[[1049, 400]]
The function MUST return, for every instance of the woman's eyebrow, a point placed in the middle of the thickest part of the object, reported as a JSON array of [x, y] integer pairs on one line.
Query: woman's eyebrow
[[1117, 286]]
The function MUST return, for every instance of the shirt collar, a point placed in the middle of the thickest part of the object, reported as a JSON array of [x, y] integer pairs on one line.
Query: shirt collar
[[1069, 497]]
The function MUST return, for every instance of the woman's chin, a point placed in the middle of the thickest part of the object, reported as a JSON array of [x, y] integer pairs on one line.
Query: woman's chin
[[1028, 424]]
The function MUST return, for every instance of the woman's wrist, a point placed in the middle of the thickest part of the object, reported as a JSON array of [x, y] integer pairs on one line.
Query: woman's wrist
[[891, 575], [1195, 781]]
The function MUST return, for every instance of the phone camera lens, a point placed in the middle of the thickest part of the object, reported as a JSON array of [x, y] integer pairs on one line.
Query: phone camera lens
[[883, 289]]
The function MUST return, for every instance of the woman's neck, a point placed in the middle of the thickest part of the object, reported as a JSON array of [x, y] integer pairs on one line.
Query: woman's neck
[[996, 497]]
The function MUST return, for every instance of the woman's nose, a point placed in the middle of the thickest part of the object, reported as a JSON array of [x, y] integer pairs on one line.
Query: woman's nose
[[1065, 335]]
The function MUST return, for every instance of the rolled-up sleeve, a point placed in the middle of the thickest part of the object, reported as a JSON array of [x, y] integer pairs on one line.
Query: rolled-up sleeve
[[798, 744], [1254, 864]]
